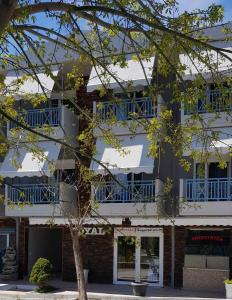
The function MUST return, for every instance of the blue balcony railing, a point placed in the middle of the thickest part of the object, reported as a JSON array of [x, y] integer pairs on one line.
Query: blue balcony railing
[[33, 193], [127, 109], [211, 189], [132, 191], [40, 117], [214, 101]]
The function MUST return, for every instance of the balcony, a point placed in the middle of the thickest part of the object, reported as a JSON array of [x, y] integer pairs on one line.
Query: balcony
[[61, 120], [28, 200], [33, 194], [127, 109], [134, 191], [211, 196], [137, 198], [214, 101], [40, 117]]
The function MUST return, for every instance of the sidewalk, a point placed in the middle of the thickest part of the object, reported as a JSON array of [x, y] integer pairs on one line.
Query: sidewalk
[[67, 290]]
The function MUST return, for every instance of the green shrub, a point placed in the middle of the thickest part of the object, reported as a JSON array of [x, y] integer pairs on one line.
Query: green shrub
[[228, 281], [41, 272]]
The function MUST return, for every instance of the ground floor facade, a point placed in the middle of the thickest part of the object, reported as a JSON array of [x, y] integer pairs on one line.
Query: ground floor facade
[[186, 256]]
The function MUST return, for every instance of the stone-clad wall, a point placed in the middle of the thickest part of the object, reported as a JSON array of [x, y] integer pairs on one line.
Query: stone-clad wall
[[68, 265], [179, 255], [230, 251], [180, 232], [204, 279], [23, 247], [97, 253], [98, 257], [167, 255]]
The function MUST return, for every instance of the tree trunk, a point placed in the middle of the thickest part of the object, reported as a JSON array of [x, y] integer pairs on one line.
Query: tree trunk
[[7, 8], [79, 265]]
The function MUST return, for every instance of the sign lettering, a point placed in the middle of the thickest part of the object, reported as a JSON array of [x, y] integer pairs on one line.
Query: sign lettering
[[94, 231]]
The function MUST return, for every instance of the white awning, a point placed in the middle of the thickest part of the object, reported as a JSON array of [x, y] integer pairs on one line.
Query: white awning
[[130, 158], [134, 74], [65, 221], [194, 66], [140, 221], [222, 144], [23, 162], [30, 85]]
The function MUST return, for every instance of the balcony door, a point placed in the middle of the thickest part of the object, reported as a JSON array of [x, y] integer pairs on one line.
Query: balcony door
[[138, 255], [215, 171], [218, 187]]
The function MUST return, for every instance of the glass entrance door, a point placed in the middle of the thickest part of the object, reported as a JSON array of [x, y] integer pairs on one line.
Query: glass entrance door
[[150, 259], [126, 258], [139, 257]]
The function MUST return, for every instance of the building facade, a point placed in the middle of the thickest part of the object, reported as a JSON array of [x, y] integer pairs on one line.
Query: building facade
[[190, 247]]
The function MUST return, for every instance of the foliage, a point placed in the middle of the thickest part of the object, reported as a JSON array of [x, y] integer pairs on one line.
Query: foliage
[[228, 281], [41, 272]]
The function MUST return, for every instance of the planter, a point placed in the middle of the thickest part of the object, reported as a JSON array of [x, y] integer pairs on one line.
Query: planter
[[228, 290], [86, 273], [139, 288]]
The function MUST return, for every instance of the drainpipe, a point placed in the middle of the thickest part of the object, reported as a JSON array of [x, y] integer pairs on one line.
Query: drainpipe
[[173, 256]]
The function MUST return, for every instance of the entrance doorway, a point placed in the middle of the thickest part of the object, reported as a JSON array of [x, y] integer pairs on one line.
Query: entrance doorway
[[4, 244], [45, 243], [138, 255]]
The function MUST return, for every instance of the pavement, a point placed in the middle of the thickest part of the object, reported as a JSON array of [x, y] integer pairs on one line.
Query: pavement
[[20, 290]]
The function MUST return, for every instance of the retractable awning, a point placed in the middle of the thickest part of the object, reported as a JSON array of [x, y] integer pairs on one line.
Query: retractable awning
[[134, 74], [31, 85], [132, 157], [194, 66], [140, 221], [223, 143], [23, 162]]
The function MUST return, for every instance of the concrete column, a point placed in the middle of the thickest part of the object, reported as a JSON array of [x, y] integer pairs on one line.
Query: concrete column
[[158, 187], [94, 107], [181, 189]]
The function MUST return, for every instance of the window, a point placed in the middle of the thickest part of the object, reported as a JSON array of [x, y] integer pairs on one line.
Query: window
[[216, 172], [207, 242]]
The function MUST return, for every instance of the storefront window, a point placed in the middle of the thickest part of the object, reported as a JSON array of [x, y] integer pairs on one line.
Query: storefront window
[[207, 242], [206, 249]]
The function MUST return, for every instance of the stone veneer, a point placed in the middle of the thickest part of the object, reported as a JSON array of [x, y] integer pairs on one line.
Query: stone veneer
[[98, 257], [23, 247], [97, 253], [204, 279]]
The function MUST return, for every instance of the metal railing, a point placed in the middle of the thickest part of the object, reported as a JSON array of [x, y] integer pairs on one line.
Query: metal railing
[[211, 189], [33, 193], [215, 101], [127, 109], [39, 117], [131, 191]]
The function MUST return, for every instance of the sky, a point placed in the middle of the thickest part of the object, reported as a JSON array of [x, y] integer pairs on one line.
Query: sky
[[183, 5], [202, 4]]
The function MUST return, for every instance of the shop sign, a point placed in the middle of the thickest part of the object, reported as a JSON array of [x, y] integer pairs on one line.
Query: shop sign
[[134, 230], [208, 238], [94, 231]]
